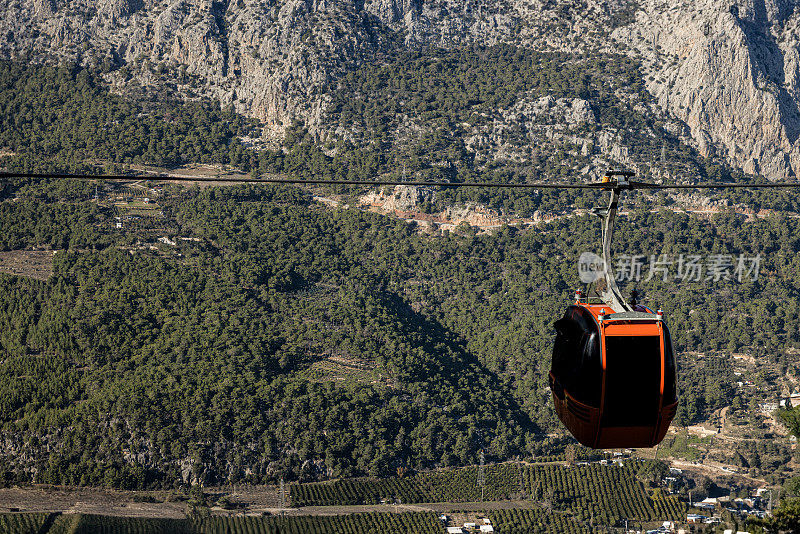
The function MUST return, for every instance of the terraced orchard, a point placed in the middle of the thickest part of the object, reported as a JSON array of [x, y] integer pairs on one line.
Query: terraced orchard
[[599, 493], [535, 520], [385, 523], [538, 521], [55, 523], [378, 522], [22, 523]]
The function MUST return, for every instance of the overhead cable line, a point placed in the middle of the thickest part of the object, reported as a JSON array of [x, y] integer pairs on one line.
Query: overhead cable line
[[622, 183]]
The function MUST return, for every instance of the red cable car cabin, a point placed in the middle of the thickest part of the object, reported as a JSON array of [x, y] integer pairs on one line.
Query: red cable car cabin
[[613, 376]]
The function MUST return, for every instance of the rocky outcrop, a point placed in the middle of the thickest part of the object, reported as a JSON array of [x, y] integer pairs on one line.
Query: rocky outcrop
[[534, 121], [116, 10], [729, 70], [401, 198], [44, 8], [273, 59]]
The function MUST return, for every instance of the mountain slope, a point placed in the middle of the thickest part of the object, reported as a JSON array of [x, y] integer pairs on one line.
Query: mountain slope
[[275, 61], [727, 73]]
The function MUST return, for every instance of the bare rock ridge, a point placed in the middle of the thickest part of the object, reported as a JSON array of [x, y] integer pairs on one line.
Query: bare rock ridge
[[730, 70], [271, 59]]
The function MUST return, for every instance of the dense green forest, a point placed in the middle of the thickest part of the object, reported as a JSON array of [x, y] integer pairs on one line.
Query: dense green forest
[[61, 119], [291, 340]]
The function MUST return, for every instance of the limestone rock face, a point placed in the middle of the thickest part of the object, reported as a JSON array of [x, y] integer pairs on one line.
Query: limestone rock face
[[271, 59], [44, 8], [115, 10], [402, 198], [729, 70]]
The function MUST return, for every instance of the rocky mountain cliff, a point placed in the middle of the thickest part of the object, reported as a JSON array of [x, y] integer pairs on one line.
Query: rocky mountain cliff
[[726, 72], [729, 70]]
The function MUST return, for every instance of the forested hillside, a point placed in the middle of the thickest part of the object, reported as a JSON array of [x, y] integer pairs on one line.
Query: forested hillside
[[250, 333], [66, 120], [286, 339]]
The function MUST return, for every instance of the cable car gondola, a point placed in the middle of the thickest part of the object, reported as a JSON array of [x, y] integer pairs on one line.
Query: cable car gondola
[[613, 376]]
